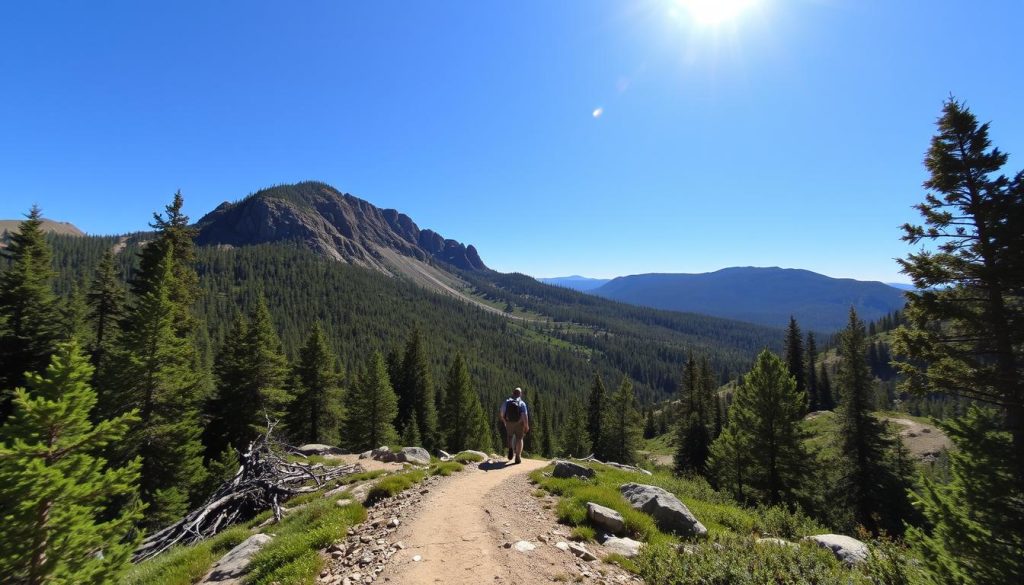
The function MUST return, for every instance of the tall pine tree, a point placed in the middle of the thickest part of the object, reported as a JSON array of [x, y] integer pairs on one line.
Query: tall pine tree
[[764, 427], [55, 492], [371, 408], [795, 355], [29, 316], [622, 430], [464, 425], [813, 397], [416, 391], [871, 485], [595, 415], [315, 415]]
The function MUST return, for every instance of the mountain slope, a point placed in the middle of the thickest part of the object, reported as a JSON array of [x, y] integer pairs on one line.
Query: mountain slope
[[575, 282], [49, 226], [332, 224], [759, 295]]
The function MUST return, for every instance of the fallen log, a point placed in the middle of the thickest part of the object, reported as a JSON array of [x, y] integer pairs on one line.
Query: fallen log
[[264, 480]]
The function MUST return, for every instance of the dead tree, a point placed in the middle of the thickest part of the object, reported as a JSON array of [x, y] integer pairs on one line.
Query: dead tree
[[265, 479]]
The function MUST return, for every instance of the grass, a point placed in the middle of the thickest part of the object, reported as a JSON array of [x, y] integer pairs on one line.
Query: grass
[[393, 484], [185, 565], [293, 557], [466, 457], [445, 468]]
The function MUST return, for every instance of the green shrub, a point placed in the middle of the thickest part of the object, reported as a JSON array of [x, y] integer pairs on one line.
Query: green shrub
[[446, 468], [739, 561], [781, 522], [393, 484], [466, 457]]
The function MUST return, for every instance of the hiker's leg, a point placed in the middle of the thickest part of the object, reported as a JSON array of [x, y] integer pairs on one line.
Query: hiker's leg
[[519, 444]]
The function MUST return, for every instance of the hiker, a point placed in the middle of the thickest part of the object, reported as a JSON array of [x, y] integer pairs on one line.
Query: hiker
[[517, 423]]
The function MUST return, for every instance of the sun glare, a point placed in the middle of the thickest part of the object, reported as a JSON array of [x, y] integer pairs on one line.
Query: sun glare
[[715, 12]]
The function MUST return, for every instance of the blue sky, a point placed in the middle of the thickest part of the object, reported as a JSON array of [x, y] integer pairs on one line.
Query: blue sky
[[791, 135]]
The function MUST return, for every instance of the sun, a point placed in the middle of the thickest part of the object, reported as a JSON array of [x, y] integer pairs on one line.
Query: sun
[[715, 12]]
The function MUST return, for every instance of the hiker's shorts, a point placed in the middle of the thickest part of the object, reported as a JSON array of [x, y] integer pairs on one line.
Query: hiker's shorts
[[515, 432]]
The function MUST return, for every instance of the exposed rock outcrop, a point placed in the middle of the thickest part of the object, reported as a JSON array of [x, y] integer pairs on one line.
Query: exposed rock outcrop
[[846, 548], [233, 566], [605, 518], [569, 469], [670, 514]]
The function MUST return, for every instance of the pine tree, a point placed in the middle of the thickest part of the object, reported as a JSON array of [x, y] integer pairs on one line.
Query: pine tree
[[813, 396], [595, 416], [55, 492], [575, 440], [371, 408], [416, 397], [973, 534], [106, 304], [411, 434], [549, 444], [871, 484], [729, 461], [795, 355], [825, 398], [156, 375], [462, 408], [73, 315], [764, 425], [623, 426], [251, 373], [693, 429], [963, 335], [29, 317], [965, 324], [650, 429], [315, 415]]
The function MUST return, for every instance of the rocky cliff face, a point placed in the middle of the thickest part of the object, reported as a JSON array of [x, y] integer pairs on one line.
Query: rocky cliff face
[[332, 224]]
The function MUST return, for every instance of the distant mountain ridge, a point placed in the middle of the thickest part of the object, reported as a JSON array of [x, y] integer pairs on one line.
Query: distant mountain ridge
[[334, 225], [767, 296], [576, 282], [9, 226]]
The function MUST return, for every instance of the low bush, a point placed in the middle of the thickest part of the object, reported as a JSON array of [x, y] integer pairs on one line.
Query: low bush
[[185, 565], [467, 457], [393, 484], [445, 468]]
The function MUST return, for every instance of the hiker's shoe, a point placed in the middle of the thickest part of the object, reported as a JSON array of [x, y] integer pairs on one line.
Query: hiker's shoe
[[511, 454], [518, 460]]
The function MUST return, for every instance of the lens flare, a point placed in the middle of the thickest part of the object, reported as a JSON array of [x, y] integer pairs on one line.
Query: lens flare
[[715, 12]]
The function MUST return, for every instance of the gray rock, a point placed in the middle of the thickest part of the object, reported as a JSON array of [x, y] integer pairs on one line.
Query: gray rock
[[417, 455], [382, 453], [632, 468], [626, 547], [668, 512], [524, 546], [366, 454], [606, 518], [444, 455], [569, 469], [230, 569], [581, 551], [847, 549], [319, 449], [562, 545]]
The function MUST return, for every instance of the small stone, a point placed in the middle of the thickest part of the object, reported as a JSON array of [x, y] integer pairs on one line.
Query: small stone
[[366, 560], [543, 538], [417, 559], [400, 545], [356, 576], [394, 522], [365, 539], [524, 546], [564, 546], [324, 573]]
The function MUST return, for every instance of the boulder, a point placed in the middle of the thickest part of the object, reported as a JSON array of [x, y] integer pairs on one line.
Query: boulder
[[382, 453], [444, 455], [846, 548], [417, 455], [606, 518], [632, 468], [319, 449], [569, 469], [483, 456], [581, 551], [775, 542], [668, 512], [366, 454], [626, 547], [230, 569]]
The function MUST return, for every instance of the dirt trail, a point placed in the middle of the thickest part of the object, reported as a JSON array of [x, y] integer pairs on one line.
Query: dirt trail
[[924, 441], [462, 526]]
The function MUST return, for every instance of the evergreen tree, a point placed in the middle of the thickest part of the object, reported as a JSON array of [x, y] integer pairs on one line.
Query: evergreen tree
[[729, 461], [416, 397], [813, 396], [315, 415], [156, 375], [965, 323], [825, 398], [973, 534], [411, 434], [73, 316], [463, 414], [575, 440], [106, 304], [595, 416], [548, 445], [764, 425], [29, 317], [623, 427], [694, 428], [650, 429], [251, 373], [870, 484], [55, 492], [371, 408], [963, 335], [795, 355]]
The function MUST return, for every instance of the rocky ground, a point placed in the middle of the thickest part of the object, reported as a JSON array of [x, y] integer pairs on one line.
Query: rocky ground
[[481, 525]]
